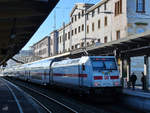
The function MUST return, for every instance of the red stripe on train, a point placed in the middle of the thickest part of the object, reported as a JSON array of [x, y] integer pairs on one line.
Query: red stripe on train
[[70, 75], [98, 77], [114, 77]]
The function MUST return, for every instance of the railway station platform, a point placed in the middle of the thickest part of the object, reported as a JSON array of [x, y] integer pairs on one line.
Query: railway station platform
[[14, 100], [137, 98]]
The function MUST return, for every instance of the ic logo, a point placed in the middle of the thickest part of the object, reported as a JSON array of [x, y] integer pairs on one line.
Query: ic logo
[[106, 77]]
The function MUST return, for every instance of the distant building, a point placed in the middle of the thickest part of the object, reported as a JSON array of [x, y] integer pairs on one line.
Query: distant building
[[106, 21], [26, 53], [23, 56], [41, 48], [46, 47], [54, 43]]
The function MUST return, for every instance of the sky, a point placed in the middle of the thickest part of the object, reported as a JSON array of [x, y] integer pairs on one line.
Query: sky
[[62, 12]]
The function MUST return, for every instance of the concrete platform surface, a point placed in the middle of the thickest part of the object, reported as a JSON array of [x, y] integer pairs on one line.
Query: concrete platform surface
[[15, 100], [137, 92], [137, 98]]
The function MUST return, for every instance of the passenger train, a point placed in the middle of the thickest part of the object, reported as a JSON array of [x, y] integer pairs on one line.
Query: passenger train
[[89, 73]]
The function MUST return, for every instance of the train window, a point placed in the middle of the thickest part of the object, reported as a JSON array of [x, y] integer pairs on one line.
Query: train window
[[111, 65], [75, 61], [104, 64], [98, 65]]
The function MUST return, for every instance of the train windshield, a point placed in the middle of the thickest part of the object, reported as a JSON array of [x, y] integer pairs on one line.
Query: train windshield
[[104, 64]]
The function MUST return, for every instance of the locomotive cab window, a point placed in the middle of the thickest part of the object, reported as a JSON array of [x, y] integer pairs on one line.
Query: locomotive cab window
[[103, 64]]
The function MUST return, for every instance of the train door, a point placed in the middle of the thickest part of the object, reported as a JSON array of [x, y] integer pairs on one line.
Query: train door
[[81, 72], [51, 74], [44, 77], [29, 76], [25, 75]]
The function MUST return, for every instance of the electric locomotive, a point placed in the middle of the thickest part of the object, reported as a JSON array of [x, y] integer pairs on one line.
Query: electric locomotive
[[89, 73]]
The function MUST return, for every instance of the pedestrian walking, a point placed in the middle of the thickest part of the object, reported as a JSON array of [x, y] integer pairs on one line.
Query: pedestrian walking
[[133, 79], [143, 80]]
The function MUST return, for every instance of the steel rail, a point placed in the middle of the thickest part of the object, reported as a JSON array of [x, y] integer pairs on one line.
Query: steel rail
[[49, 98], [44, 107]]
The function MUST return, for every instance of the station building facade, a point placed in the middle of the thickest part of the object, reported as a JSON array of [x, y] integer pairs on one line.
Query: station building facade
[[53, 43], [106, 21], [42, 48]]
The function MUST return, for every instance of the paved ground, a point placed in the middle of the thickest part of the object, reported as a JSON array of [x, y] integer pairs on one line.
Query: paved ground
[[7, 102], [138, 90], [14, 100]]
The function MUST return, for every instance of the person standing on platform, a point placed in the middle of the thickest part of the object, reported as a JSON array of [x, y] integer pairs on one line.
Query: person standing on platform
[[143, 80], [133, 79]]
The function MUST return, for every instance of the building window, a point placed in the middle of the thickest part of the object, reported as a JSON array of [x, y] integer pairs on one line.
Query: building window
[[82, 27], [92, 26], [79, 15], [87, 28], [105, 39], [72, 19], [92, 41], [118, 34], [140, 6], [98, 10], [88, 43], [105, 6], [72, 32], [99, 40], [68, 35], [75, 17], [82, 44], [118, 7], [79, 29], [60, 39], [105, 21], [65, 36], [99, 24], [75, 30], [93, 13], [82, 13], [76, 46], [72, 47]]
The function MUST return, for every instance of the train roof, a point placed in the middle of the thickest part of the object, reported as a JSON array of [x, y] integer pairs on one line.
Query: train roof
[[102, 56], [41, 60], [78, 60], [68, 61], [44, 63]]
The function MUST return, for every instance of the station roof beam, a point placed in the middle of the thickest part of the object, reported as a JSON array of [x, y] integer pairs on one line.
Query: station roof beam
[[19, 20]]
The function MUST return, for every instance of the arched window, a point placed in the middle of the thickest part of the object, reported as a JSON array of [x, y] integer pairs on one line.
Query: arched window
[[140, 6]]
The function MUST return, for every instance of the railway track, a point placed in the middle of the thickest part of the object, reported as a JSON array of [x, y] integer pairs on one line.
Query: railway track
[[49, 104], [57, 106], [79, 105]]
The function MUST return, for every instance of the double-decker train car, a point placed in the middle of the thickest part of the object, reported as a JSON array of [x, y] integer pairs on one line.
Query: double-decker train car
[[88, 73]]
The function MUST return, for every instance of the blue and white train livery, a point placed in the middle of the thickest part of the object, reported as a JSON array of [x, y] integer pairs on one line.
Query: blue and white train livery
[[88, 73]]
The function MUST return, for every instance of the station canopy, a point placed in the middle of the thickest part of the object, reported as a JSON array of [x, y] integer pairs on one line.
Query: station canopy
[[19, 20]]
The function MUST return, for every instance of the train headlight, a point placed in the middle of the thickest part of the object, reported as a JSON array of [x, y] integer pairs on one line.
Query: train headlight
[[97, 84], [116, 83]]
